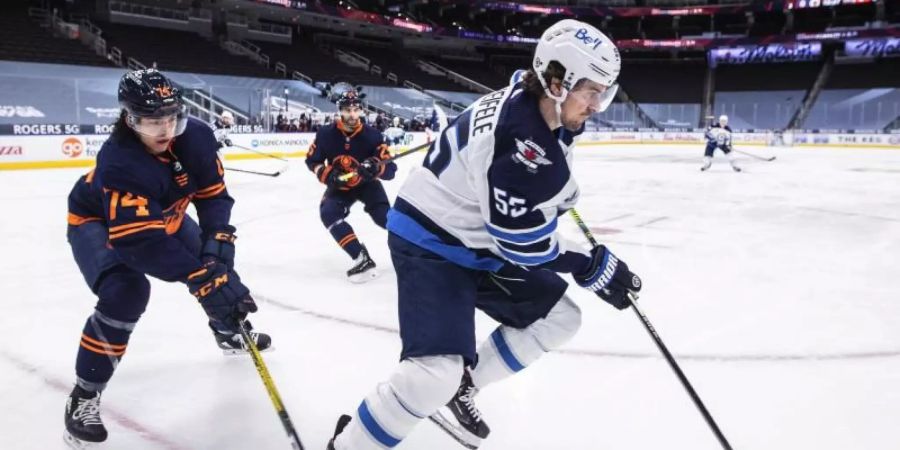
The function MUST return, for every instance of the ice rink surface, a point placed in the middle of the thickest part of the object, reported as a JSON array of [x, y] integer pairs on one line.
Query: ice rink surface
[[778, 289]]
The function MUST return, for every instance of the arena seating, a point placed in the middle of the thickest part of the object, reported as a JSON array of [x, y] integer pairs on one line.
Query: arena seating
[[179, 51], [667, 85], [23, 39], [305, 57]]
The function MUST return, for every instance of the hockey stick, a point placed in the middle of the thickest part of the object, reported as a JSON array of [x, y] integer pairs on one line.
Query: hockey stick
[[259, 152], [270, 388], [404, 153], [771, 158], [660, 345], [395, 157], [266, 174]]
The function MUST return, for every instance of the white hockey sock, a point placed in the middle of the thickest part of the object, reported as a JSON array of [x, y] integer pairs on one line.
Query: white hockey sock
[[509, 350], [414, 391], [732, 160]]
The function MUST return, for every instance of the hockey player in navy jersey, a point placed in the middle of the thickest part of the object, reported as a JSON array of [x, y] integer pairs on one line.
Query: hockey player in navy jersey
[[476, 228], [127, 221], [718, 135], [347, 157]]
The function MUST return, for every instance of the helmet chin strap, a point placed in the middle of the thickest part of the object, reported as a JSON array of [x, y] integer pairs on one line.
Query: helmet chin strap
[[557, 108], [557, 99], [557, 102]]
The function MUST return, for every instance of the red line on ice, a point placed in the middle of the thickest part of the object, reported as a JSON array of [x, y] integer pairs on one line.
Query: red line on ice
[[118, 417]]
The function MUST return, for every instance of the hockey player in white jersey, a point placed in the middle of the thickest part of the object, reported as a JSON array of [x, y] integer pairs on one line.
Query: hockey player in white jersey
[[718, 135], [221, 128], [476, 227], [395, 135]]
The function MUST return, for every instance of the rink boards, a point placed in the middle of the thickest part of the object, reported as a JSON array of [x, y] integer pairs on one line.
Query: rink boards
[[48, 151]]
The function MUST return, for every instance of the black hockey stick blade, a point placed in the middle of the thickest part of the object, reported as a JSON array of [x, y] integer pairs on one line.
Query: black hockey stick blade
[[259, 152], [253, 172], [763, 158]]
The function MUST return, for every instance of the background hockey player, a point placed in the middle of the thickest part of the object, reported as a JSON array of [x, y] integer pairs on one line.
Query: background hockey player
[[476, 227], [127, 220], [346, 156], [395, 134], [221, 129], [718, 135]]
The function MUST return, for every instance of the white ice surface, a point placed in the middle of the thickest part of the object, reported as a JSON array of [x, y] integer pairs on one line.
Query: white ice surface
[[778, 289]]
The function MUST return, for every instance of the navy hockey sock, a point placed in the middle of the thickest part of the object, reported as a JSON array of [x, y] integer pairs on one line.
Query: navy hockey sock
[[343, 234], [103, 343]]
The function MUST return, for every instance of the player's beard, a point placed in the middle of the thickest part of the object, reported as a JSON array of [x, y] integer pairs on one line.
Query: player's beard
[[349, 122], [574, 122]]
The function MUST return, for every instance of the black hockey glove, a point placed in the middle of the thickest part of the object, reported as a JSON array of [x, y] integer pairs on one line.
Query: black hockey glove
[[336, 179], [220, 247], [228, 142], [609, 278], [222, 295], [370, 169]]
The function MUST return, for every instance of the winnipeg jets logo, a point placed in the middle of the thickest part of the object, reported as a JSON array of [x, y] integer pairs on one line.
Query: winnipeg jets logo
[[531, 155]]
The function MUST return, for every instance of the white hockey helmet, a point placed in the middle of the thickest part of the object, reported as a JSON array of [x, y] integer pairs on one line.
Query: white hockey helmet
[[723, 120], [584, 51]]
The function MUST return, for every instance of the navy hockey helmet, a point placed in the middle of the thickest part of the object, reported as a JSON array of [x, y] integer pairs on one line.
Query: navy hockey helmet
[[148, 93], [349, 98]]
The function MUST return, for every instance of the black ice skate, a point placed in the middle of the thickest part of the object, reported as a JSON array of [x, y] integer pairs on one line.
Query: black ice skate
[[363, 268], [460, 418], [83, 425], [233, 343], [341, 424]]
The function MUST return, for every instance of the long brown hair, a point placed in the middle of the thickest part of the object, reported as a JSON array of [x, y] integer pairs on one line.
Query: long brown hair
[[533, 84]]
